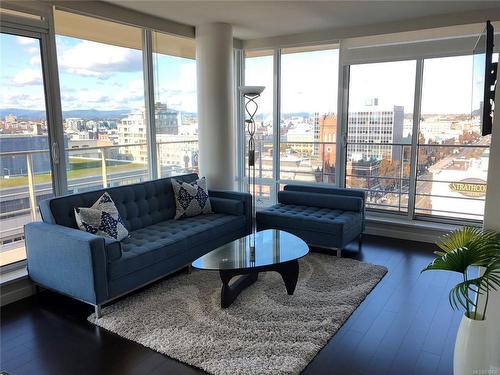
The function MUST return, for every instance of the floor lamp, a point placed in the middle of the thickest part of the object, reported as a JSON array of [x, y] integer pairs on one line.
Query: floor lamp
[[250, 94]]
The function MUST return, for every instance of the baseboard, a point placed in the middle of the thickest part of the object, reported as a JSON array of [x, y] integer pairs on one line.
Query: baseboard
[[407, 231], [16, 290]]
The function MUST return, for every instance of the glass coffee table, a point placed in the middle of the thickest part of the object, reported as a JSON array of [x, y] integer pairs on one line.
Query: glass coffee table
[[269, 250]]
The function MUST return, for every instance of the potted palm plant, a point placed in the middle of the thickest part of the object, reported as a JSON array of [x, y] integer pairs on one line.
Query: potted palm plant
[[463, 251]]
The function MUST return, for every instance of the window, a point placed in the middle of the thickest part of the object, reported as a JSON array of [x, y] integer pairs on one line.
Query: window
[[102, 99], [25, 168], [307, 132], [176, 116], [379, 132], [452, 155], [308, 124]]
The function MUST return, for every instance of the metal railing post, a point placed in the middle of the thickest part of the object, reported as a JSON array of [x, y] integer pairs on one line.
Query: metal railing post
[[158, 160], [104, 168], [31, 186]]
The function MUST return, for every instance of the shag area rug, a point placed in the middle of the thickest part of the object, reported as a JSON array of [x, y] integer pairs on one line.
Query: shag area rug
[[265, 331]]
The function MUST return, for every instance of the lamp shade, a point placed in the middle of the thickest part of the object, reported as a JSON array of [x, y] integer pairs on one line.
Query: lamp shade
[[251, 90]]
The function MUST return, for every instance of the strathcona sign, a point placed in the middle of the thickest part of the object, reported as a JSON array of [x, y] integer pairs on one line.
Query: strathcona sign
[[469, 187]]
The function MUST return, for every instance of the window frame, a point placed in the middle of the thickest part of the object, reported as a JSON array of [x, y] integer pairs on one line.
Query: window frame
[[42, 30], [42, 27], [342, 127]]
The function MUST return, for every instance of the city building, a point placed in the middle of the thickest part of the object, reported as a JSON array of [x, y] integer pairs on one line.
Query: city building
[[18, 165], [132, 131], [327, 133], [167, 120], [375, 133]]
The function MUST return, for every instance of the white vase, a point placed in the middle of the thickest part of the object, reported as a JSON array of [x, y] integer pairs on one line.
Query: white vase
[[472, 348]]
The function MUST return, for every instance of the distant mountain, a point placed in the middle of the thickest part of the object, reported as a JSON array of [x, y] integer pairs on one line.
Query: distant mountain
[[23, 114], [94, 114], [88, 114]]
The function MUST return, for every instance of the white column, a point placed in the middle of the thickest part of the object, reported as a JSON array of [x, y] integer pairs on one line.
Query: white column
[[492, 221], [214, 61]]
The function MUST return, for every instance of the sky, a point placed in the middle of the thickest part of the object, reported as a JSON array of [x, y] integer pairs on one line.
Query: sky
[[92, 76], [104, 77], [309, 83]]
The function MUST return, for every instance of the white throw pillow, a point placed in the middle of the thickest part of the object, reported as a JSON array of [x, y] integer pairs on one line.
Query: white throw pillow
[[191, 198], [102, 219]]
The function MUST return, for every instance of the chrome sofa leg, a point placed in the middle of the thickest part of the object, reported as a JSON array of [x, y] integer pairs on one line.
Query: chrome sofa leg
[[97, 311], [189, 269], [339, 253]]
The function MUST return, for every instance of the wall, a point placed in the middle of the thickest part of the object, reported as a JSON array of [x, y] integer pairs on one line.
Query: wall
[[492, 221]]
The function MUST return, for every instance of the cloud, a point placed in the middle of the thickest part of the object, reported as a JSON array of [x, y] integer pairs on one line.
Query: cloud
[[99, 60], [179, 94], [36, 60], [91, 96], [22, 100], [32, 50], [132, 98], [27, 77], [25, 41]]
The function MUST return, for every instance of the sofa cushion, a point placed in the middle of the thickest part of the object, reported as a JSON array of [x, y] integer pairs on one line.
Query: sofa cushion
[[332, 201], [102, 219], [191, 198], [327, 190], [139, 205], [322, 220], [166, 239]]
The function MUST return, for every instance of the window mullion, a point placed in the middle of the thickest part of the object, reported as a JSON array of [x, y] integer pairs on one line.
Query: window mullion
[[239, 64], [414, 138], [149, 100], [342, 117], [276, 122], [54, 110]]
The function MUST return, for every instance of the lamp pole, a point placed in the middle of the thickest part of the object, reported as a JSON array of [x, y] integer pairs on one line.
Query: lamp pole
[[251, 94]]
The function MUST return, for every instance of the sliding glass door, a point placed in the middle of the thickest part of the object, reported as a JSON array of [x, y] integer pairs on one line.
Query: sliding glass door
[[25, 161], [379, 132], [452, 155]]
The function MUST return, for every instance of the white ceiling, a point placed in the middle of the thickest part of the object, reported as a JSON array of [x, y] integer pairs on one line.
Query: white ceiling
[[260, 19]]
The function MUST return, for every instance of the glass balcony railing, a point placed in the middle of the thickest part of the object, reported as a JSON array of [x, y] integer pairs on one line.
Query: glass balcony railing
[[450, 179], [383, 170], [308, 161], [88, 168]]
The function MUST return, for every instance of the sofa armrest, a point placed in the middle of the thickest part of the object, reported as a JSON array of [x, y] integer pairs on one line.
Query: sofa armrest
[[67, 260], [244, 198], [227, 206]]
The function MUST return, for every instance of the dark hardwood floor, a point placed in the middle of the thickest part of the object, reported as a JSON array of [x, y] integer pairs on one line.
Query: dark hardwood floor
[[405, 326]]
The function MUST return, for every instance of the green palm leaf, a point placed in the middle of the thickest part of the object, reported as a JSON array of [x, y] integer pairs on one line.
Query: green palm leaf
[[465, 247], [461, 249], [460, 295]]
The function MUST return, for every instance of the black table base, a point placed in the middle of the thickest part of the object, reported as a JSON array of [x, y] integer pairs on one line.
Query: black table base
[[289, 271]]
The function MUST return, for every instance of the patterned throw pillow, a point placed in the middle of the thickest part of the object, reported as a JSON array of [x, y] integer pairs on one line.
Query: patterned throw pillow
[[102, 219], [191, 198]]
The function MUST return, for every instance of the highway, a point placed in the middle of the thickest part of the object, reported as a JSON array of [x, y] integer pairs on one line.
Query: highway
[[20, 192]]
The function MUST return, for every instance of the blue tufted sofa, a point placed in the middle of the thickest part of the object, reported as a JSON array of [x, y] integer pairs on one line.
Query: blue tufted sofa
[[96, 270], [321, 216]]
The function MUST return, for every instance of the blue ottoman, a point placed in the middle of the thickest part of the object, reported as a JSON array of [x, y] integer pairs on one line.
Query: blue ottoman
[[322, 216]]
